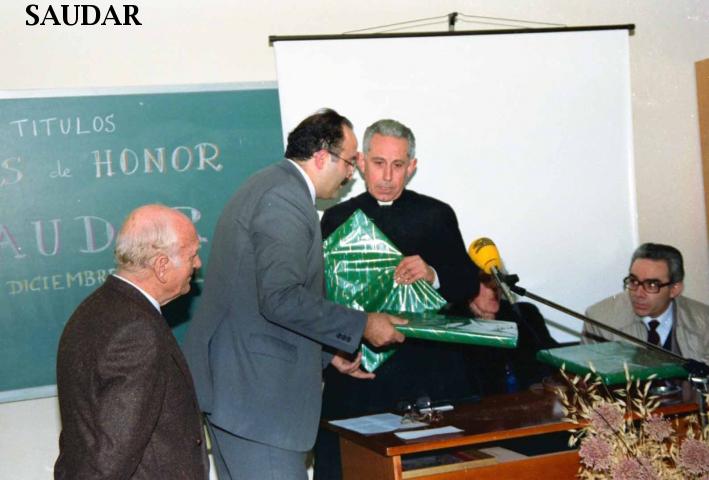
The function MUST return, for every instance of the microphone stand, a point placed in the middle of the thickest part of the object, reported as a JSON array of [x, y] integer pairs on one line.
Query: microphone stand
[[698, 372]]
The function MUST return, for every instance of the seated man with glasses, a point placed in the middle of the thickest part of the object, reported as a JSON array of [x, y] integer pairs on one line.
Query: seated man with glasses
[[652, 307]]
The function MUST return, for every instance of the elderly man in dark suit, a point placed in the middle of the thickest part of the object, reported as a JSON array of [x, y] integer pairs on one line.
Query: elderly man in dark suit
[[256, 342], [126, 397], [426, 231]]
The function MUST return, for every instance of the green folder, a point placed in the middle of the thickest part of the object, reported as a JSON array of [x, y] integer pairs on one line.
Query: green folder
[[608, 360], [445, 328]]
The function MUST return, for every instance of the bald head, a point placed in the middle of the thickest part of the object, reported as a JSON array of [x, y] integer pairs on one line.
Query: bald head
[[156, 248], [148, 231]]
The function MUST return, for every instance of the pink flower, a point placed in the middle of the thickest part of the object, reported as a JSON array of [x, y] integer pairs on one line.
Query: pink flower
[[694, 456], [595, 452], [634, 469], [658, 428], [607, 418]]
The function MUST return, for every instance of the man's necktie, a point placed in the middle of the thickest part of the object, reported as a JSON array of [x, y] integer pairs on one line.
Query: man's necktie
[[652, 335]]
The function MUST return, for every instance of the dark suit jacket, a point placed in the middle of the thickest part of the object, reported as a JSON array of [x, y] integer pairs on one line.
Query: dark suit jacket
[[255, 343], [126, 397]]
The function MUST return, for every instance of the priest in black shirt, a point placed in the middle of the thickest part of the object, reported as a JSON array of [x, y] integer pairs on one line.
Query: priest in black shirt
[[426, 231]]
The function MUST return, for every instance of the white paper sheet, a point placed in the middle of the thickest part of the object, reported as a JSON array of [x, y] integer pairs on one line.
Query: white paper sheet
[[380, 423], [429, 432]]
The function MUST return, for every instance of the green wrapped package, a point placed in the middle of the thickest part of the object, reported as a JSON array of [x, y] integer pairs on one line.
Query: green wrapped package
[[359, 272], [608, 360], [446, 328]]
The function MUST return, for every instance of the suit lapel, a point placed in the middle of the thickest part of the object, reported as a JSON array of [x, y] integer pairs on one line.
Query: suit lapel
[[179, 358], [134, 295], [307, 204], [293, 171]]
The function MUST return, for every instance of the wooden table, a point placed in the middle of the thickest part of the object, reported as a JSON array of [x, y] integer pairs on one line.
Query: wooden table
[[495, 418]]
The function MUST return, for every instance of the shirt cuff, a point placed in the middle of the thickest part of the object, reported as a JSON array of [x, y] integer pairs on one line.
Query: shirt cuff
[[436, 284]]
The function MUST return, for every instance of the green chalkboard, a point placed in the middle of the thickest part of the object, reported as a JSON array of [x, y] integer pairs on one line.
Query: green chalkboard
[[72, 167]]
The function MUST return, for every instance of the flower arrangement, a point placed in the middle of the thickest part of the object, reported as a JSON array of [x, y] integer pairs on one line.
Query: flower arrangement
[[620, 436]]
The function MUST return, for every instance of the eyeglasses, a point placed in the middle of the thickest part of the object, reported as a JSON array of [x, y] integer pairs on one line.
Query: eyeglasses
[[420, 410], [352, 162], [650, 285]]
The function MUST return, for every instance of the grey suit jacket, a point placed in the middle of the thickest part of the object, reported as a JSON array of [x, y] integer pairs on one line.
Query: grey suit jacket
[[255, 343], [126, 397], [690, 328]]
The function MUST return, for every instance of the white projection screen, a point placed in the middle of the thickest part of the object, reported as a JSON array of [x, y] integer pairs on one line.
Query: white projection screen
[[528, 136]]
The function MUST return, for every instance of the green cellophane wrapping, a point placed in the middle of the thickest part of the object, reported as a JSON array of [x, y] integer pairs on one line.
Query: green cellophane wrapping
[[359, 272], [446, 328], [608, 360]]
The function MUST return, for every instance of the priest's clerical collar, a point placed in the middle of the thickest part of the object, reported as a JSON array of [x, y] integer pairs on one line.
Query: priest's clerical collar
[[371, 198]]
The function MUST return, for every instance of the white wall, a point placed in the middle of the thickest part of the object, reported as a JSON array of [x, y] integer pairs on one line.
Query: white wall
[[29, 432], [226, 41]]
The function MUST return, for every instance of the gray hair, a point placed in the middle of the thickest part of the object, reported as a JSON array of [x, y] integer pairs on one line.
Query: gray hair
[[145, 235], [668, 253], [390, 128]]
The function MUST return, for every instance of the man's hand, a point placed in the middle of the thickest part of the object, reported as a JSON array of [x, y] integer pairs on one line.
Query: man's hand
[[413, 268], [479, 310], [350, 367], [380, 329]]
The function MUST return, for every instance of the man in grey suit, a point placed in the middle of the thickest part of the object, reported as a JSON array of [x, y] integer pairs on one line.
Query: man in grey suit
[[256, 342], [127, 402], [653, 308]]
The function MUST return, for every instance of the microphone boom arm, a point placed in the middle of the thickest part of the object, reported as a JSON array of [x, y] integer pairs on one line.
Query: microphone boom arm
[[698, 372], [511, 281]]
